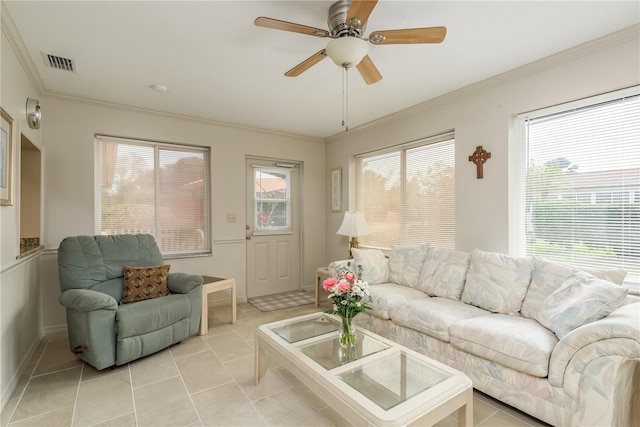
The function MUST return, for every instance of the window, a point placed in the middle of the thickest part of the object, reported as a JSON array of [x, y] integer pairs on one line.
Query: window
[[155, 188], [272, 199], [407, 194], [590, 149]]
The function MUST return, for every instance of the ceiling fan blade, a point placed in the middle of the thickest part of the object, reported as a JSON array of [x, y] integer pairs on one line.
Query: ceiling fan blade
[[290, 26], [368, 71], [409, 36], [361, 9], [306, 64]]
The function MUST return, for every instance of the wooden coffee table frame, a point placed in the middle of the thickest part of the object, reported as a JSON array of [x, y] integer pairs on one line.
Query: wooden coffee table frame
[[425, 408]]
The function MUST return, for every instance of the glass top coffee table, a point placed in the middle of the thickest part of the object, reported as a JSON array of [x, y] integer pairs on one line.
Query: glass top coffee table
[[377, 382]]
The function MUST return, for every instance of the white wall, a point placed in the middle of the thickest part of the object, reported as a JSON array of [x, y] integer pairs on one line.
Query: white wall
[[69, 184], [20, 298], [29, 287], [483, 114]]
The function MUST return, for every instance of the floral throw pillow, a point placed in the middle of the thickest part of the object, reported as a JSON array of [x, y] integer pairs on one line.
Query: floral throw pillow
[[497, 282], [444, 273], [141, 283], [405, 263], [581, 299], [549, 275], [374, 265]]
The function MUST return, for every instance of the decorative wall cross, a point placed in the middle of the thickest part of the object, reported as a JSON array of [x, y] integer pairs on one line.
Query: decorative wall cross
[[479, 157]]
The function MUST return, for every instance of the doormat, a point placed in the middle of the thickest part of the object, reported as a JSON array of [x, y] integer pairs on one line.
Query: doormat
[[283, 300]]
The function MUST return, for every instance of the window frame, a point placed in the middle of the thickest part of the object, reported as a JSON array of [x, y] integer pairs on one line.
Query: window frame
[[518, 166], [157, 146], [401, 150]]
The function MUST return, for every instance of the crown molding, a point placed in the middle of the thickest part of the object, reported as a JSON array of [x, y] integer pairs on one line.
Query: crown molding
[[15, 40], [118, 106], [10, 30], [625, 35]]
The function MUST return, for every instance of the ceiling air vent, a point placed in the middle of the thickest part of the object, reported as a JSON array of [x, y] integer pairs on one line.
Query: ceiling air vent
[[59, 62]]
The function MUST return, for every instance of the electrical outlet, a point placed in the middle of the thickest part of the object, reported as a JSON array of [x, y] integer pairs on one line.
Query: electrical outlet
[[231, 217]]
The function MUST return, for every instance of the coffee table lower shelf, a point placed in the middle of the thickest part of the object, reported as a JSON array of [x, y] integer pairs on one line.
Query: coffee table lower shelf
[[377, 383]]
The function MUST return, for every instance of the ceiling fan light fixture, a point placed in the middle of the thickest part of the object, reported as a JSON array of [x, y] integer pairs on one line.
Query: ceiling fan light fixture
[[347, 51]]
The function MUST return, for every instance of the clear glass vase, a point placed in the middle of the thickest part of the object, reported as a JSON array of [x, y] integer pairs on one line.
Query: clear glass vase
[[347, 333]]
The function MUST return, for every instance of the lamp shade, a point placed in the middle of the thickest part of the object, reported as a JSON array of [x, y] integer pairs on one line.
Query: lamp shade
[[347, 51], [354, 224]]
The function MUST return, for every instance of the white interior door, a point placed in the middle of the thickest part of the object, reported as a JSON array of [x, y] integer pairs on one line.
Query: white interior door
[[273, 231]]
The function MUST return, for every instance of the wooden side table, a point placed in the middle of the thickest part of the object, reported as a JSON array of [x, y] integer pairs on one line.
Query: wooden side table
[[213, 284], [321, 274]]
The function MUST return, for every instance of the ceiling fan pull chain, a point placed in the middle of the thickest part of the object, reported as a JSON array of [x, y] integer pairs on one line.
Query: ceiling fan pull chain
[[345, 98]]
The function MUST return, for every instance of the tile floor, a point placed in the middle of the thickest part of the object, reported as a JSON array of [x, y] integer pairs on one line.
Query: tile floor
[[204, 381]]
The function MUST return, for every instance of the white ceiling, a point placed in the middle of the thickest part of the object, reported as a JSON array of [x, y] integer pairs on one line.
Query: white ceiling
[[219, 66]]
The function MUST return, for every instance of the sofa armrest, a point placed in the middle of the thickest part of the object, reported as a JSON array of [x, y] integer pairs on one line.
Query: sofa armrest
[[183, 283], [617, 336], [87, 300]]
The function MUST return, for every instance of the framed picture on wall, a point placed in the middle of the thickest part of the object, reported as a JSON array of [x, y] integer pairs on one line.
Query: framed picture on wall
[[6, 157], [336, 190]]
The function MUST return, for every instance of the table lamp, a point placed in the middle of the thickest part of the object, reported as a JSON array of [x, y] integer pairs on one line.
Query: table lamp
[[353, 225]]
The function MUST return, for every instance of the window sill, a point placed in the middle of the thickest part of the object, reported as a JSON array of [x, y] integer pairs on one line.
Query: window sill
[[29, 252]]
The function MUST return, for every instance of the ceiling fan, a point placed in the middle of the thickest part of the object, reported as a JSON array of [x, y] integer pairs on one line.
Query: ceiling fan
[[347, 21]]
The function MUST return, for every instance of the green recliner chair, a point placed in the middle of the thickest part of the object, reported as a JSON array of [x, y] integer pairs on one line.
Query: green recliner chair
[[104, 332]]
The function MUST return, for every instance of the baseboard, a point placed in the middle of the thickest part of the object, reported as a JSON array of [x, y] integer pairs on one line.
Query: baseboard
[[55, 330], [13, 382]]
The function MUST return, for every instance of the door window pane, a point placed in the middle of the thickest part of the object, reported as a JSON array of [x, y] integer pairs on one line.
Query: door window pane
[[272, 199]]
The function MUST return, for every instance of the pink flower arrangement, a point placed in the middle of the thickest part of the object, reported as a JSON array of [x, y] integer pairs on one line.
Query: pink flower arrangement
[[350, 294]]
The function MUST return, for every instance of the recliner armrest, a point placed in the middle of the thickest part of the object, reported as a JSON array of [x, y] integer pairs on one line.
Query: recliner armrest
[[87, 300], [183, 283]]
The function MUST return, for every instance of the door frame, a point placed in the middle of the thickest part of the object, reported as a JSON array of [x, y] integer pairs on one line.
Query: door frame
[[287, 164]]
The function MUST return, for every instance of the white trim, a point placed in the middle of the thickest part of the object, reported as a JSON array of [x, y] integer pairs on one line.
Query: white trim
[[444, 136], [579, 103], [588, 48], [22, 368], [518, 161], [22, 260], [54, 330]]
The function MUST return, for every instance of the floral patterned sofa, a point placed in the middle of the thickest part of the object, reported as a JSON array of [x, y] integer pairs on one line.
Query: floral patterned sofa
[[557, 342]]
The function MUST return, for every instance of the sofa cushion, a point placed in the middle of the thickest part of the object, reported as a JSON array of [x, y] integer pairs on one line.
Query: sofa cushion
[[405, 263], [444, 273], [151, 315], [515, 342], [374, 265], [387, 296], [141, 283], [433, 316], [497, 282], [550, 275], [582, 298]]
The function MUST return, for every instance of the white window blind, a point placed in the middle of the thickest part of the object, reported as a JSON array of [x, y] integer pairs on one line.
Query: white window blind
[[155, 188], [580, 200], [407, 194]]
